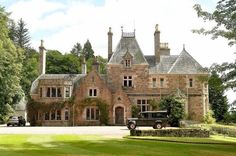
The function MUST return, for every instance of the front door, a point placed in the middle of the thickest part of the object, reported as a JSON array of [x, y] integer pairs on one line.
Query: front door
[[119, 116]]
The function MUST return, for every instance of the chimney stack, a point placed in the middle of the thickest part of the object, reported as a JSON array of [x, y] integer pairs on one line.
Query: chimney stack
[[157, 43], [109, 34], [42, 61], [84, 67], [95, 64]]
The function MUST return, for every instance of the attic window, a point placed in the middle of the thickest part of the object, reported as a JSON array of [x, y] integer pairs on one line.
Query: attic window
[[127, 63]]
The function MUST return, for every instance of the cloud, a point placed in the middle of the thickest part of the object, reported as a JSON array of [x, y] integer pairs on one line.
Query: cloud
[[76, 21]]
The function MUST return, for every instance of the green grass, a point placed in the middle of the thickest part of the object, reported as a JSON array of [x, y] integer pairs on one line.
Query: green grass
[[214, 139], [71, 145]]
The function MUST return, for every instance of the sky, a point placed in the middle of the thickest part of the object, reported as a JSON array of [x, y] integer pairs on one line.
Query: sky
[[62, 23]]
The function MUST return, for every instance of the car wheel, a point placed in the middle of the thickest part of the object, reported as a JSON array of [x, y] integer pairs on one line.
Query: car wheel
[[132, 126], [158, 126], [8, 125]]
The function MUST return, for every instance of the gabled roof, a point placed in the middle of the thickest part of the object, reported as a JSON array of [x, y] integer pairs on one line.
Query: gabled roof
[[131, 44], [186, 64]]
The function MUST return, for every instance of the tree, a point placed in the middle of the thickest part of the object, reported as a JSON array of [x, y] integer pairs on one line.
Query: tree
[[22, 34], [56, 63], [217, 99], [87, 50], [228, 74], [76, 50], [224, 16], [174, 107], [10, 67]]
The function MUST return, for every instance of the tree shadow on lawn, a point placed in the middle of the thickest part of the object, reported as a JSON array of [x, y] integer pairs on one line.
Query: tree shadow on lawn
[[112, 147]]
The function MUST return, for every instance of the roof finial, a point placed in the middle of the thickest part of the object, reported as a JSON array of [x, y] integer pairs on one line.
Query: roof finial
[[121, 30], [109, 29], [184, 47], [41, 45]]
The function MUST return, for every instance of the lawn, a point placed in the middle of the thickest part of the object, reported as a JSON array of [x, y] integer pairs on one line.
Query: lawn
[[70, 145]]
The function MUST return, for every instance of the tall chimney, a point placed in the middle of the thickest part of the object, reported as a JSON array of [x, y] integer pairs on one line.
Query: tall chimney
[[84, 67], [95, 65], [109, 34], [157, 43], [42, 56]]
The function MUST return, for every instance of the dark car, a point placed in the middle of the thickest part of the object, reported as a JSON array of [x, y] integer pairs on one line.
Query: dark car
[[16, 121], [156, 119]]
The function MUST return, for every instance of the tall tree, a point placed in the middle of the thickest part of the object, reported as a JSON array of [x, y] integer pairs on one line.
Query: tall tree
[[62, 64], [224, 17], [76, 50], [88, 50], [217, 99], [22, 34], [10, 68]]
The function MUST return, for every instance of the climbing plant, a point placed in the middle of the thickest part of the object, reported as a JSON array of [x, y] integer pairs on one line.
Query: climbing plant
[[102, 106]]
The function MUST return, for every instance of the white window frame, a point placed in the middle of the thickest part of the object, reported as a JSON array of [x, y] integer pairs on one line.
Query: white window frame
[[143, 103], [65, 92], [162, 82], [128, 79], [154, 83]]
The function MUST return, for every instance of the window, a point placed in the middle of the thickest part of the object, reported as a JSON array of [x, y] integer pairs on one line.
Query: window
[[161, 82], [92, 92], [127, 63], [41, 92], [154, 82], [53, 91], [46, 116], [190, 82], [128, 81], [143, 105], [67, 91], [92, 113], [66, 114], [58, 92], [53, 115], [48, 92], [58, 115]]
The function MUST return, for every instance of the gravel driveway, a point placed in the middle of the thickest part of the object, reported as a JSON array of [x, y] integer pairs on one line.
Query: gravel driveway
[[115, 131]]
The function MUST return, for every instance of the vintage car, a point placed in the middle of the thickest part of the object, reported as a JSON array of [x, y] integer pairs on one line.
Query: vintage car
[[156, 119]]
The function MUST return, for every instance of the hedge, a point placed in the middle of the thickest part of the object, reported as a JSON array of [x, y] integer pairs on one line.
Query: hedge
[[172, 133], [231, 132]]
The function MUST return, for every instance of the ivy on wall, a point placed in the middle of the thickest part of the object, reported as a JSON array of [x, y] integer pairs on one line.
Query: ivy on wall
[[102, 106]]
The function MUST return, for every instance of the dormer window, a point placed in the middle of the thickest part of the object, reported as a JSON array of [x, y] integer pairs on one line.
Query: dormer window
[[127, 60], [127, 63]]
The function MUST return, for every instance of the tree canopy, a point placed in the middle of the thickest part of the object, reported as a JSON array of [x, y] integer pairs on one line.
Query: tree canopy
[[10, 67], [224, 17], [218, 101]]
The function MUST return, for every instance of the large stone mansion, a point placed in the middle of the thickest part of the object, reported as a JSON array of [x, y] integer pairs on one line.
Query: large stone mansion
[[132, 78]]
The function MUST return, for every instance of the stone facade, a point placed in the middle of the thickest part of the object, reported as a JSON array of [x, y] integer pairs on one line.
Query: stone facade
[[132, 79]]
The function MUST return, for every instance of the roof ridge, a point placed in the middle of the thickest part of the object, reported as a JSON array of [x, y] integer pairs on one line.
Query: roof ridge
[[174, 63]]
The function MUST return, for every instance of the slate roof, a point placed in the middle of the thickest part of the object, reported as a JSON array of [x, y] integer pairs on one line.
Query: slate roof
[[130, 44], [186, 64], [175, 64], [70, 77]]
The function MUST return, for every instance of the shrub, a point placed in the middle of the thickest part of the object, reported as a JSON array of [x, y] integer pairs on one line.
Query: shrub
[[208, 118], [224, 130], [172, 133], [175, 109], [135, 111]]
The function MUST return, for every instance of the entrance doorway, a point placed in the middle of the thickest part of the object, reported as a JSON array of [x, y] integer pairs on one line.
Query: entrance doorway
[[119, 116]]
